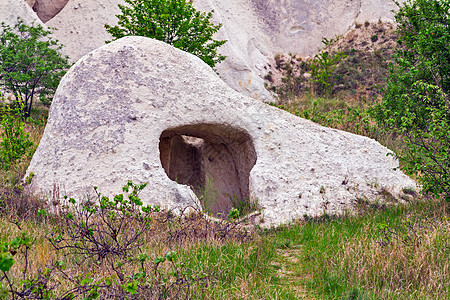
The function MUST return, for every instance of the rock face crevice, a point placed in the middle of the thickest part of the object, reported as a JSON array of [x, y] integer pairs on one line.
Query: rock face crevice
[[213, 159], [47, 9]]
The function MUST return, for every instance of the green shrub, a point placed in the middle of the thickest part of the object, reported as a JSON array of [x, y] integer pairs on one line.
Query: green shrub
[[322, 70], [175, 22], [427, 151], [106, 234], [14, 141], [416, 102], [30, 63]]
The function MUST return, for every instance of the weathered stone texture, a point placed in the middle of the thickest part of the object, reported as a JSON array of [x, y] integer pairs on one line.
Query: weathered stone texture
[[10, 10], [81, 25], [255, 30], [138, 109]]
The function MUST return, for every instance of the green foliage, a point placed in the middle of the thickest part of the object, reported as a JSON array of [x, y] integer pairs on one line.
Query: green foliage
[[242, 207], [416, 102], [322, 70], [175, 22], [105, 232], [14, 141], [423, 55], [30, 62], [335, 113], [427, 151], [381, 254]]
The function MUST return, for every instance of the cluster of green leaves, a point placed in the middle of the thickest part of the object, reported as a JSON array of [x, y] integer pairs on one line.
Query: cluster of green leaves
[[175, 22], [416, 101], [14, 141], [30, 63], [322, 71], [30, 286]]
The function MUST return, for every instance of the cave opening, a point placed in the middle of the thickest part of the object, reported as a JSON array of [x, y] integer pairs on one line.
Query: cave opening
[[215, 160]]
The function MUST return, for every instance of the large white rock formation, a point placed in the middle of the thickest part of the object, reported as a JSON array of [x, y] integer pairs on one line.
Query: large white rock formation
[[81, 25], [10, 10], [138, 109], [256, 30]]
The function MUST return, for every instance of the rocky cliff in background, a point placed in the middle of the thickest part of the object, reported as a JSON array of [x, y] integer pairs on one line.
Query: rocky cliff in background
[[256, 30]]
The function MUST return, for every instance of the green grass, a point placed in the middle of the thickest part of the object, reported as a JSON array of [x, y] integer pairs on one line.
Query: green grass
[[327, 257], [377, 251], [341, 258]]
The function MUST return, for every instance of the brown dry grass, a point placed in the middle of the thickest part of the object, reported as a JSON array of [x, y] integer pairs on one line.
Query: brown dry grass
[[416, 258]]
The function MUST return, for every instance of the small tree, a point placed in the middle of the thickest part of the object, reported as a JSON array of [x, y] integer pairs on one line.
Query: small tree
[[14, 141], [175, 22], [30, 63], [423, 55], [416, 102]]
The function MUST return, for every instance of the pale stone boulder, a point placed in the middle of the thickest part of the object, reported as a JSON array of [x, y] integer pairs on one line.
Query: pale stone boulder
[[138, 109], [81, 25], [10, 10]]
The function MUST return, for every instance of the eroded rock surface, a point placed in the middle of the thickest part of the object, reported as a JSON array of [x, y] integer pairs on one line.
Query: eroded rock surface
[[81, 25], [258, 30], [255, 30], [138, 109], [10, 10]]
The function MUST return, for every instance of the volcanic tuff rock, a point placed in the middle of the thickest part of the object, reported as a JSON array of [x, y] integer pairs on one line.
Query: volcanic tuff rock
[[138, 109], [81, 24], [256, 30], [11, 9]]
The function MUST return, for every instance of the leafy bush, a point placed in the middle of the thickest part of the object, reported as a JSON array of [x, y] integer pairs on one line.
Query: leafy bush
[[175, 22], [109, 248], [423, 55], [14, 141], [30, 62], [109, 234], [322, 69], [427, 151], [416, 102]]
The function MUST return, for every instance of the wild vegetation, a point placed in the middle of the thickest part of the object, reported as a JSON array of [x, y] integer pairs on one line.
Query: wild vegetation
[[175, 22], [117, 248], [30, 63]]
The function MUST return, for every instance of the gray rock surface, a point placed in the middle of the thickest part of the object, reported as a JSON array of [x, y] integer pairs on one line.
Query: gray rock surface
[[256, 30], [11, 9], [81, 24], [138, 109]]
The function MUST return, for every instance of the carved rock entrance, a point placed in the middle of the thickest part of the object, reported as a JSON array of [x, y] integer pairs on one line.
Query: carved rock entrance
[[137, 104], [215, 160]]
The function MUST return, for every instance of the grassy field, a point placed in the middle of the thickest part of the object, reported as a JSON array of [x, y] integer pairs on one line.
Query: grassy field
[[374, 251]]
